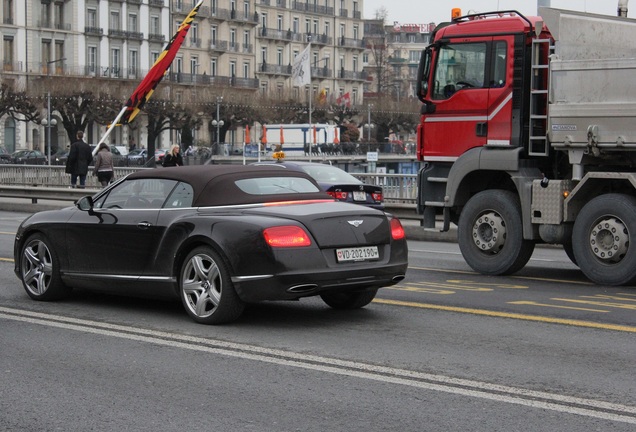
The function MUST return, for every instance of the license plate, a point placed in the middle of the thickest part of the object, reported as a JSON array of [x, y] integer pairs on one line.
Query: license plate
[[357, 254], [359, 196]]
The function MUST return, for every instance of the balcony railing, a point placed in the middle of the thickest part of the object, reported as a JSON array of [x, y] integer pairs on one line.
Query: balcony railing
[[159, 3], [321, 72], [351, 43], [274, 69], [244, 17], [94, 30], [153, 37], [275, 34]]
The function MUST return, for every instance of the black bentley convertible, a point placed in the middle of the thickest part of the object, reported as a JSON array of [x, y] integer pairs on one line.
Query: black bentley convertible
[[216, 236]]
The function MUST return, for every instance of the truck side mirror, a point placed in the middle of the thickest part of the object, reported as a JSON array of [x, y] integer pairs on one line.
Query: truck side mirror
[[428, 108]]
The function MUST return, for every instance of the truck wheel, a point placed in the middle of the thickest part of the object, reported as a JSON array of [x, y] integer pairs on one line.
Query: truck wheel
[[603, 234], [490, 233]]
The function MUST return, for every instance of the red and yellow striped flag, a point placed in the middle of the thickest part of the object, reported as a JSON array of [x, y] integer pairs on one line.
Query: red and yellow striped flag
[[156, 73]]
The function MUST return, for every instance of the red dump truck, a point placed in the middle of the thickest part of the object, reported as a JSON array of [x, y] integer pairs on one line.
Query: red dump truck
[[528, 135]]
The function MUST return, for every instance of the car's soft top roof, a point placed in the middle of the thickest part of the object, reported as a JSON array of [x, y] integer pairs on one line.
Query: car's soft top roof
[[216, 184]]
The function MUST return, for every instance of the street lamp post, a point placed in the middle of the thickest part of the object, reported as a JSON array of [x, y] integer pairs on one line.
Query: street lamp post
[[218, 123], [48, 123], [369, 106]]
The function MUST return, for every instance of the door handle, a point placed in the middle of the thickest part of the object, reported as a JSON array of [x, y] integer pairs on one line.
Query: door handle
[[144, 225], [481, 130]]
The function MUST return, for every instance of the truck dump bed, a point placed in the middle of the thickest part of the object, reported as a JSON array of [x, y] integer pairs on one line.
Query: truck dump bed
[[592, 93]]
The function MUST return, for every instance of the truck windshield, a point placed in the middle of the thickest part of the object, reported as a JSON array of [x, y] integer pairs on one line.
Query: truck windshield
[[459, 66]]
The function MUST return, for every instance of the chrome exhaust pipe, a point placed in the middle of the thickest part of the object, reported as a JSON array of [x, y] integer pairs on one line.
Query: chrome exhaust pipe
[[299, 289], [398, 278]]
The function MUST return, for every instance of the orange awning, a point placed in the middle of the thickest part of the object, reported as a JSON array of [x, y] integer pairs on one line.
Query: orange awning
[[247, 134], [282, 136], [264, 136], [335, 137]]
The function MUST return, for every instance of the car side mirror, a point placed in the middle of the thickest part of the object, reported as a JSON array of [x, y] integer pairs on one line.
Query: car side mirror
[[85, 203]]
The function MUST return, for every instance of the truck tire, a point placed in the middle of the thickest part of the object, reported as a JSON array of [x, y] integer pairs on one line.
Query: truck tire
[[490, 233], [604, 232]]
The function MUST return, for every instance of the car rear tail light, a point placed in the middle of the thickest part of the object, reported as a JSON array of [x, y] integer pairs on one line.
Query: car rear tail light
[[397, 230], [338, 195], [377, 196], [286, 236]]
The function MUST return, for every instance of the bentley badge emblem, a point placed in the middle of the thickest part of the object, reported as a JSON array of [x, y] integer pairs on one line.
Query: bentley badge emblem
[[355, 223]]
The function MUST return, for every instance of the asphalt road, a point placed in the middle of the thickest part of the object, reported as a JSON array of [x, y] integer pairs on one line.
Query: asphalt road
[[445, 350]]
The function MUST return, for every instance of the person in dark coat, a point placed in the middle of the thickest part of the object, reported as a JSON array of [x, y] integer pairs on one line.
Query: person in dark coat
[[79, 158], [173, 157]]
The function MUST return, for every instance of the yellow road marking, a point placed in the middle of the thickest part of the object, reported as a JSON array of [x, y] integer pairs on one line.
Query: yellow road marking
[[514, 277], [7, 233], [6, 259], [494, 314], [531, 303], [598, 303]]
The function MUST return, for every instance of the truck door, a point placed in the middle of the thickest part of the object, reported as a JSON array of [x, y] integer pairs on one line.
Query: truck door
[[459, 90], [500, 95]]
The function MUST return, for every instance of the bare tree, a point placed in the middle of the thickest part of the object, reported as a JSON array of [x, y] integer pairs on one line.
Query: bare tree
[[166, 115], [17, 105]]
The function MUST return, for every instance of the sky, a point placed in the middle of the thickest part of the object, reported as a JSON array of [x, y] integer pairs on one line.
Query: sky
[[427, 11]]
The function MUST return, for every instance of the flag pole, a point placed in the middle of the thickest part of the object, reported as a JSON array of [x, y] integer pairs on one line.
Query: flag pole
[[110, 129], [310, 129]]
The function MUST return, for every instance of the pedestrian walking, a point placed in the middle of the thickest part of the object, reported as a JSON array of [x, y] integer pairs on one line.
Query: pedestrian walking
[[103, 165], [79, 157], [173, 157]]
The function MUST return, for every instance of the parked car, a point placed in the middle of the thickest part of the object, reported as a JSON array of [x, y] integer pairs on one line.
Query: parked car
[[29, 157], [137, 157], [5, 156], [59, 157], [159, 155], [336, 182], [218, 237]]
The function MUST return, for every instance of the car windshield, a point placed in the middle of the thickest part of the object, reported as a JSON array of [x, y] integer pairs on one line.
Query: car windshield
[[329, 174]]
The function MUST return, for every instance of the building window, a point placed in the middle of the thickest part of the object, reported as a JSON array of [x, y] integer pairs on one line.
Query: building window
[[214, 30], [7, 45], [213, 66], [355, 63], [279, 22], [232, 38], [92, 59], [154, 25], [263, 88], [327, 28], [296, 25], [194, 65], [356, 32], [264, 20], [114, 21], [279, 56], [246, 70], [264, 55], [91, 18], [133, 62], [132, 23], [233, 68], [7, 11], [115, 61], [354, 97]]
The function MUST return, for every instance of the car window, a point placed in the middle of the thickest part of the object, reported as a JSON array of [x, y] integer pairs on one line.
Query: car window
[[276, 185], [180, 197], [330, 174], [137, 194]]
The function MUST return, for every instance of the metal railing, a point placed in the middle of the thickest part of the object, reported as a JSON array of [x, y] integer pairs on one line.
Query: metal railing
[[51, 182]]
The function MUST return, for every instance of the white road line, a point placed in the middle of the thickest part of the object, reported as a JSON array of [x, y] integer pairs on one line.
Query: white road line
[[477, 389]]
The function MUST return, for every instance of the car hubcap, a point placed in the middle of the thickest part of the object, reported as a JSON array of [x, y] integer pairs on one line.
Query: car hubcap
[[489, 232], [37, 267], [202, 285], [609, 239]]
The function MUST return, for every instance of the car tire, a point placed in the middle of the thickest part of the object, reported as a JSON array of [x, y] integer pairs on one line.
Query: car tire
[[206, 288], [40, 270], [604, 237], [490, 233], [349, 300]]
